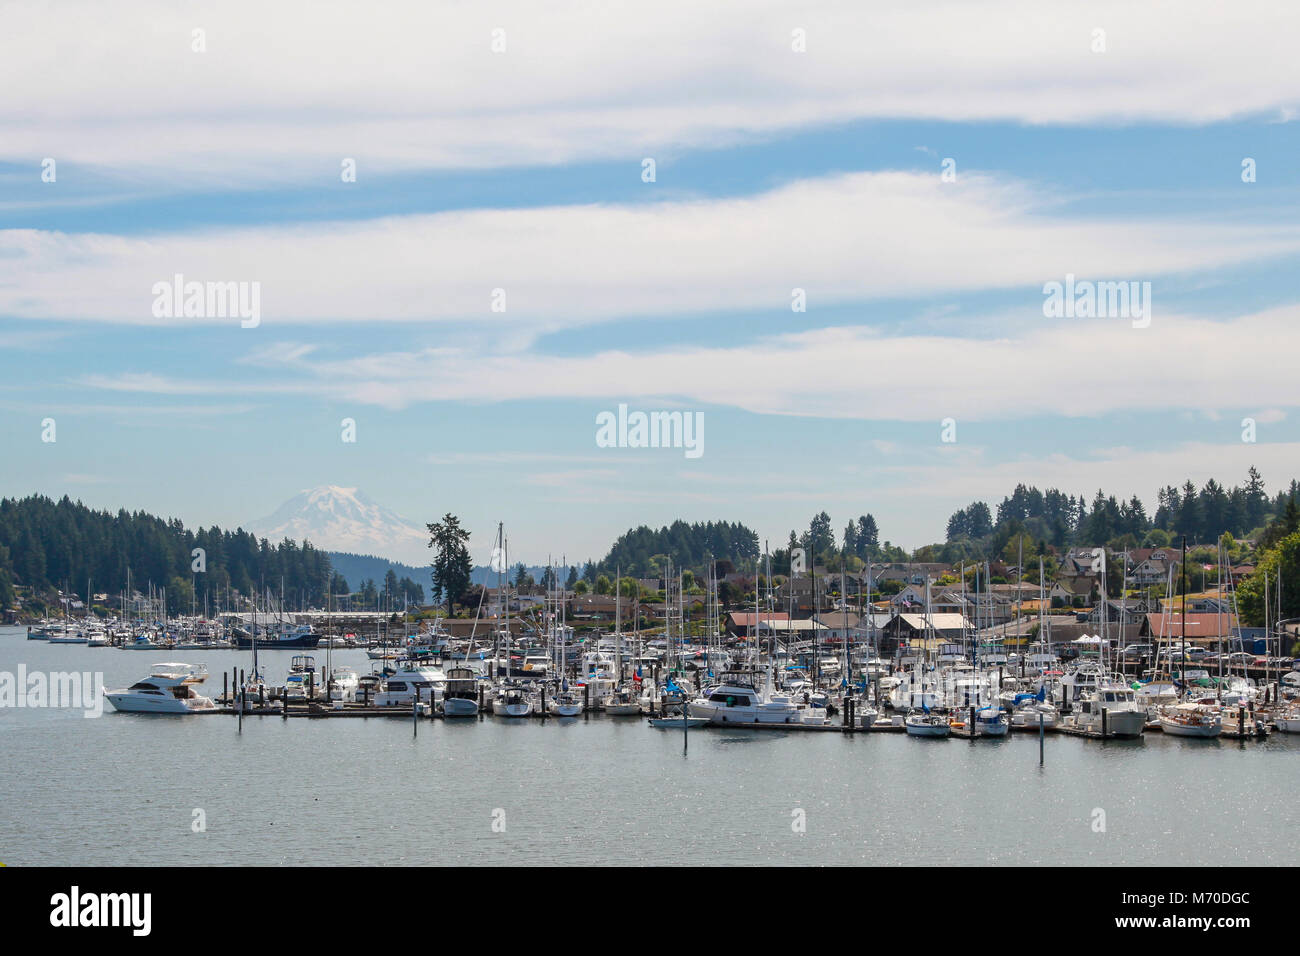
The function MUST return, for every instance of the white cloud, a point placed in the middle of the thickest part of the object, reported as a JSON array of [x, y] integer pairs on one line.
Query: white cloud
[[1040, 367], [285, 90], [843, 238]]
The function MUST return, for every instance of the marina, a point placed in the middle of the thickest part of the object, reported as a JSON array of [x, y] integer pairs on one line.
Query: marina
[[613, 790]]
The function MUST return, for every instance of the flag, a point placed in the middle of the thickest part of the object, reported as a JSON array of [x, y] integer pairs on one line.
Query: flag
[[637, 676]]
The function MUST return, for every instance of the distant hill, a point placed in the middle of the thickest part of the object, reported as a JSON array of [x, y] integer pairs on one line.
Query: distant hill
[[356, 568]]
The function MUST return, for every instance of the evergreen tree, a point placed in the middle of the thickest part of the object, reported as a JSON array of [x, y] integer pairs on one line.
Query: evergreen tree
[[452, 566]]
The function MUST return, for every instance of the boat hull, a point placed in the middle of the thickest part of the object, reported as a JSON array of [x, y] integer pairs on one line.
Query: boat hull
[[502, 709], [459, 707], [1203, 731], [135, 704], [927, 730], [273, 644], [678, 723], [623, 710]]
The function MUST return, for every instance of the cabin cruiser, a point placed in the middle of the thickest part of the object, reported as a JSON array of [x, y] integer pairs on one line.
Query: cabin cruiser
[[991, 722], [298, 686], [1288, 721], [1240, 721], [1029, 711], [1155, 693], [141, 642], [597, 672], [169, 689], [865, 713], [411, 680], [460, 693], [1191, 720], [343, 684], [736, 700], [512, 700], [927, 722]]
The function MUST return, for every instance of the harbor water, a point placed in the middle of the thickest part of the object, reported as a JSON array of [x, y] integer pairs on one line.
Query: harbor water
[[132, 789]]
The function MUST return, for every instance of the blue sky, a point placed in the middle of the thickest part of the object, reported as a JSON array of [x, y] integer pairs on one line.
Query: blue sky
[[522, 170]]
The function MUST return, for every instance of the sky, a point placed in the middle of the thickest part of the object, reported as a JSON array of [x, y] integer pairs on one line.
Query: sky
[[838, 266]]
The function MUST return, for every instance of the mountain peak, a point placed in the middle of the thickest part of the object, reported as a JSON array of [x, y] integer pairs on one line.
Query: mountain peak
[[335, 518]]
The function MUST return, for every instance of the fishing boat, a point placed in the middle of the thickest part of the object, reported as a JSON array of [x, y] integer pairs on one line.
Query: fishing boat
[[286, 638], [169, 689], [1111, 708]]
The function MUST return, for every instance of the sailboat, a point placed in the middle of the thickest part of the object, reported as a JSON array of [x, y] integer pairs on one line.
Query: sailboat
[[624, 700]]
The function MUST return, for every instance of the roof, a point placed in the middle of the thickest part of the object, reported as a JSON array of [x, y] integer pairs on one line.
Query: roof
[[802, 625], [747, 618], [1170, 624], [1077, 585], [940, 622]]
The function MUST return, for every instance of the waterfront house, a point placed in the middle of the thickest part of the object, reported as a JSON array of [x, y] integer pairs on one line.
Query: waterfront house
[[1074, 591]]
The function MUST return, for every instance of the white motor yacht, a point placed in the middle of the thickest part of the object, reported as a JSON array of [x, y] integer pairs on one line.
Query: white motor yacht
[[343, 684], [411, 680], [169, 689], [736, 700]]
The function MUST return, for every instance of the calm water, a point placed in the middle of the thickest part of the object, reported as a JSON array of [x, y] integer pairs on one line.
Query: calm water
[[122, 789]]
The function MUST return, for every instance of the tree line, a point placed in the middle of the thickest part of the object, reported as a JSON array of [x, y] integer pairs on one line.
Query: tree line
[[46, 544], [1059, 519]]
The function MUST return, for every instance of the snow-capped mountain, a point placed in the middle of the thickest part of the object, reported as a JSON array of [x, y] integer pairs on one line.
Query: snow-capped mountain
[[343, 519]]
